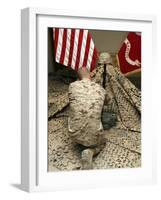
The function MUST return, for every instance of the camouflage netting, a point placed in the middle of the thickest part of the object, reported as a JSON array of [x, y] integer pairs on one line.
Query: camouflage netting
[[123, 141], [122, 98]]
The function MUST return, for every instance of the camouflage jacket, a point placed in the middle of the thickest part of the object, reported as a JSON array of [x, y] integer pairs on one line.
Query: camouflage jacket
[[86, 102]]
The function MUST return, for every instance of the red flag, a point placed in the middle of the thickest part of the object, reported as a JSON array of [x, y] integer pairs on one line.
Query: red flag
[[129, 55], [74, 48]]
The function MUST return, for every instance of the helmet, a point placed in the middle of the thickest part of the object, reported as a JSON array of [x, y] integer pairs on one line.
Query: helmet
[[104, 58]]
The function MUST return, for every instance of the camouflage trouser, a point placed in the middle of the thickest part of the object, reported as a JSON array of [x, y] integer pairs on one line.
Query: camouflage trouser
[[96, 148]]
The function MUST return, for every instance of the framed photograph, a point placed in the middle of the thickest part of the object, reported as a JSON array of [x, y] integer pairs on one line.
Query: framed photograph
[[86, 99]]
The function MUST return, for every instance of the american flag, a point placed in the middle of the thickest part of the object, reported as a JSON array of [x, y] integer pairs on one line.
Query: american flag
[[74, 48]]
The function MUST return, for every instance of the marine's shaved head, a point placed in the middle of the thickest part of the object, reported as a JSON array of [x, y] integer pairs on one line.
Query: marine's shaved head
[[83, 72]]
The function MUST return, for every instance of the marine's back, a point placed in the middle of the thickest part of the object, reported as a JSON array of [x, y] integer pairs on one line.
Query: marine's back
[[86, 103]]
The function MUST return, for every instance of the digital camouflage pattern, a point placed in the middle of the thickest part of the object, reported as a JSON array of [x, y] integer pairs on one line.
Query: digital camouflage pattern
[[122, 97], [86, 102], [123, 141]]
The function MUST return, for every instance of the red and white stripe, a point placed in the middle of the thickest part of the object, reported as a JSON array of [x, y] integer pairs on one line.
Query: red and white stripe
[[74, 48]]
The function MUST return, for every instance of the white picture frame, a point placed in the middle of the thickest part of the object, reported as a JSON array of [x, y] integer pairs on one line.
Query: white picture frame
[[34, 175]]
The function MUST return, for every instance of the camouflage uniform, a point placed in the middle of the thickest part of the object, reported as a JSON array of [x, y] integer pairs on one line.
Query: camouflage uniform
[[86, 102]]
